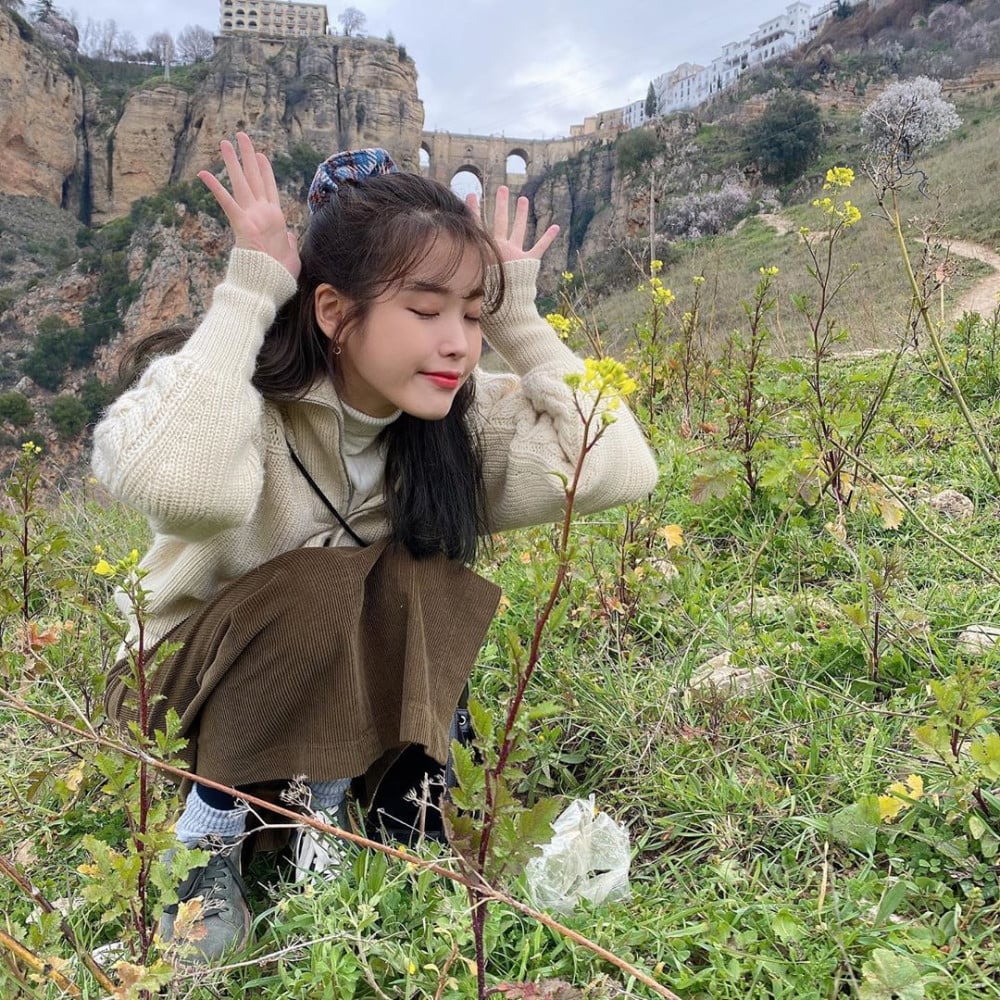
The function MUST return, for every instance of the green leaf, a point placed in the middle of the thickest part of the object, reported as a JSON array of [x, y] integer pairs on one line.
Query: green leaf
[[545, 710], [891, 976], [855, 614], [936, 736], [482, 721], [856, 825], [534, 825], [986, 753], [716, 483], [889, 903], [787, 927], [471, 779]]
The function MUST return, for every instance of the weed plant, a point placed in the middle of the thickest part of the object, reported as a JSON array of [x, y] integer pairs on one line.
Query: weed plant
[[830, 831]]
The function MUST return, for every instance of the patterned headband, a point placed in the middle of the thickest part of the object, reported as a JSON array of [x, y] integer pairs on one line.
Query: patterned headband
[[352, 165]]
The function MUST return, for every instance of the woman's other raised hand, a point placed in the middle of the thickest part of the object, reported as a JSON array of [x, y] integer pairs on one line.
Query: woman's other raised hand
[[253, 209], [510, 236]]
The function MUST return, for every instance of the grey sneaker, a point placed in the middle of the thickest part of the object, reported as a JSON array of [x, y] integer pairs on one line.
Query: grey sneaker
[[224, 924]]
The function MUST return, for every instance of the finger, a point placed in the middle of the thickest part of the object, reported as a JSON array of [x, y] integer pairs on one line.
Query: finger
[[221, 195], [241, 190], [500, 213], [547, 239], [472, 203], [520, 226], [267, 177], [251, 168]]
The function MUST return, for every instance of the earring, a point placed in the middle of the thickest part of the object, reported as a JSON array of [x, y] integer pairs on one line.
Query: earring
[[336, 350]]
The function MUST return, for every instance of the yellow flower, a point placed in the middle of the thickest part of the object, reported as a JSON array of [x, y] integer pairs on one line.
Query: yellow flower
[[30, 448], [567, 276], [604, 378], [659, 295], [769, 272], [104, 568], [655, 266], [563, 325], [839, 177], [699, 279], [98, 550]]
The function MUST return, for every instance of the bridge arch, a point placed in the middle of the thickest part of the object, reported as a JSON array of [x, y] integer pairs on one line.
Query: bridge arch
[[468, 179], [449, 153]]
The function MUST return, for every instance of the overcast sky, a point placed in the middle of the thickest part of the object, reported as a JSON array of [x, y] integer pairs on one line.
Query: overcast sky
[[525, 68]]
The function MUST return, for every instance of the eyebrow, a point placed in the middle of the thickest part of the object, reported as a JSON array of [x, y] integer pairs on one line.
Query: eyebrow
[[437, 288]]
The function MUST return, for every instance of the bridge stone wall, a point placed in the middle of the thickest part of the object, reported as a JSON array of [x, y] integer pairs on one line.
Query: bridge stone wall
[[486, 157]]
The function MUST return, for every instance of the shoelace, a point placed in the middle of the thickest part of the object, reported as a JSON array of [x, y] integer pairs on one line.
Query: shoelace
[[210, 883]]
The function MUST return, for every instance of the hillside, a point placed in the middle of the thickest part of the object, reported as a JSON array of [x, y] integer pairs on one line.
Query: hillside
[[73, 297]]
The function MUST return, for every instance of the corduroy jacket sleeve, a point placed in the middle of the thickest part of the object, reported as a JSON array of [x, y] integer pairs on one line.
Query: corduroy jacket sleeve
[[531, 430], [184, 445]]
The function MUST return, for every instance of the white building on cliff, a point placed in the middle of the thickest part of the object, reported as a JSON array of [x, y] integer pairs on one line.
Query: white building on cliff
[[272, 18], [688, 85]]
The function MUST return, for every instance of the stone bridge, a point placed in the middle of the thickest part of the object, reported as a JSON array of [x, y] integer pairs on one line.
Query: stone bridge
[[446, 154]]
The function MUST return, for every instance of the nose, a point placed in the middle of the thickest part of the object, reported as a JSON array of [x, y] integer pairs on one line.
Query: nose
[[457, 337]]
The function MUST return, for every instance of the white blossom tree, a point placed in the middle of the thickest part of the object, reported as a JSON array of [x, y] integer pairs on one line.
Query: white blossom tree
[[906, 117]]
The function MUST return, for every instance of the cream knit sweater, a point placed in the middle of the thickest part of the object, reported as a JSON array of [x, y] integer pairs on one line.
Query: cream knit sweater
[[197, 450]]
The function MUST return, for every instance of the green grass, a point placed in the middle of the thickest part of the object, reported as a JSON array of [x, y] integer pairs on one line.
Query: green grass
[[739, 886]]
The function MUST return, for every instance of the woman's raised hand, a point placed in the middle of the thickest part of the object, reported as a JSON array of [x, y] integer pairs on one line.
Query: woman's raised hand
[[510, 237], [254, 209]]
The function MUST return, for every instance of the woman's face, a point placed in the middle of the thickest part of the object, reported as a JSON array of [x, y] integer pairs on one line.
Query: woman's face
[[418, 344]]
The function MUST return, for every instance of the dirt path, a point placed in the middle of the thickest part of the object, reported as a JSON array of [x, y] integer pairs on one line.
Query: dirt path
[[983, 297]]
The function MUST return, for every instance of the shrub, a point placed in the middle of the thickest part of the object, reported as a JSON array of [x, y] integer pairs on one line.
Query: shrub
[[16, 409], [636, 148], [96, 396], [785, 139], [297, 166], [68, 415], [54, 346]]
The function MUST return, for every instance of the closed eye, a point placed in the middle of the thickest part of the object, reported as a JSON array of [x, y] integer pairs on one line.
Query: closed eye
[[423, 315]]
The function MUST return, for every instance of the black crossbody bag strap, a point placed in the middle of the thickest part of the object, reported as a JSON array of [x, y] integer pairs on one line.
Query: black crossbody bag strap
[[326, 503]]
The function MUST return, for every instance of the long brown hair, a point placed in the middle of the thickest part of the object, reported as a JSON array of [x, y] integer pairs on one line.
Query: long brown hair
[[363, 242]]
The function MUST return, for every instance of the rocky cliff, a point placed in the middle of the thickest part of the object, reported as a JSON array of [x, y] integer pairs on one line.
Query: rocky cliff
[[66, 138], [41, 109]]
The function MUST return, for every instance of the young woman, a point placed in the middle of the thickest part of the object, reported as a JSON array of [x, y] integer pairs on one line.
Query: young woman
[[319, 462]]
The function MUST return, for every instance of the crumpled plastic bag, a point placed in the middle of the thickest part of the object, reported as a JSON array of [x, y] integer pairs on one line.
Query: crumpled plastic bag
[[587, 858]]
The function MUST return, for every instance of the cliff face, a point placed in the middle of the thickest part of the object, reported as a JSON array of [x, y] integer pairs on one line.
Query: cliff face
[[41, 110], [329, 93], [63, 140]]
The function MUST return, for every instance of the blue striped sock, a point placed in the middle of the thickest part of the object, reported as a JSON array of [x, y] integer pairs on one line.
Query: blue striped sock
[[327, 795], [200, 820]]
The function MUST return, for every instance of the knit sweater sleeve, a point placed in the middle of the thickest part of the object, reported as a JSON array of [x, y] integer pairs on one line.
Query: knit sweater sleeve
[[184, 445], [531, 430]]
